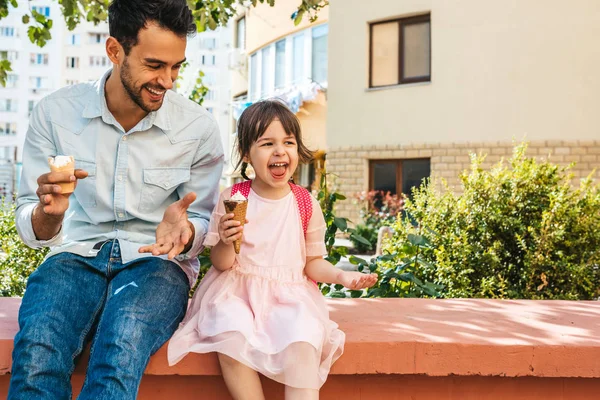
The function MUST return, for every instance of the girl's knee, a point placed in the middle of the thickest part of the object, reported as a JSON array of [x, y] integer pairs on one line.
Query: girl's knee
[[228, 362]]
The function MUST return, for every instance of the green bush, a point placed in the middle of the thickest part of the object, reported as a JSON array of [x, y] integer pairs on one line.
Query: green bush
[[17, 260], [517, 231]]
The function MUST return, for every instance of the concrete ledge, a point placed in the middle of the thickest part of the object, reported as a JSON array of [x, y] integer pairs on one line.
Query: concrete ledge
[[517, 347]]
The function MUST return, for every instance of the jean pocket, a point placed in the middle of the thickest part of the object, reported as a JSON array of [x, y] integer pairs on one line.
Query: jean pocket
[[159, 185], [85, 192]]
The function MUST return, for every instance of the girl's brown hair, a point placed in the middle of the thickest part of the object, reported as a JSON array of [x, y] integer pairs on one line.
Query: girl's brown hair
[[255, 120]]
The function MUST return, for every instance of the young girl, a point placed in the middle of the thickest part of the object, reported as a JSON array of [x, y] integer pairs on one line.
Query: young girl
[[260, 310]]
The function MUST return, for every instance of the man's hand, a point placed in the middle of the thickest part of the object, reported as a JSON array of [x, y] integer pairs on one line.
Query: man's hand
[[53, 202], [174, 231]]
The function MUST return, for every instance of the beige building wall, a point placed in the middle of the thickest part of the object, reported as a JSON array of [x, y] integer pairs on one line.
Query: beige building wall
[[500, 70]]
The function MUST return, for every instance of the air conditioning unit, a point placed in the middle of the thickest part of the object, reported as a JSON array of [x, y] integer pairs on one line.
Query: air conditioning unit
[[238, 59]]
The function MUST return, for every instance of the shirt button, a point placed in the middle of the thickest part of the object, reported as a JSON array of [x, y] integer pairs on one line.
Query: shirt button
[[124, 138], [121, 215], [120, 177]]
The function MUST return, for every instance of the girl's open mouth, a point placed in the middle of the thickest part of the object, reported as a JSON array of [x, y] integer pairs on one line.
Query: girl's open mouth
[[278, 170]]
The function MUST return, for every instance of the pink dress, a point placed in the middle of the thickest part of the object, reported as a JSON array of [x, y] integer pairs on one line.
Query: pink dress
[[264, 312]]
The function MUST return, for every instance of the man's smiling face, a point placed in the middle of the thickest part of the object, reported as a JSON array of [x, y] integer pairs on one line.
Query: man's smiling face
[[152, 65]]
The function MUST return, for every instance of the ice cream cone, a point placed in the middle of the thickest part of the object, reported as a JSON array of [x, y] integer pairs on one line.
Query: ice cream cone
[[238, 208], [67, 187]]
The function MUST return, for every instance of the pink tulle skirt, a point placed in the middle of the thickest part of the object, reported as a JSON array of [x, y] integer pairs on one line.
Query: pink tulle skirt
[[271, 319]]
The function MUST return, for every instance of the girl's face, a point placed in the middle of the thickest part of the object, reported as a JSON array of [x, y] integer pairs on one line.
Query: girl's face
[[274, 157]]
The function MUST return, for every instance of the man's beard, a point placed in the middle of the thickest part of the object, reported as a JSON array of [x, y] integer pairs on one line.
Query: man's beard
[[134, 93]]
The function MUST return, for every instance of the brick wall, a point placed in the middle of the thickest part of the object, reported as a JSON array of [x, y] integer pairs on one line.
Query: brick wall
[[351, 164]]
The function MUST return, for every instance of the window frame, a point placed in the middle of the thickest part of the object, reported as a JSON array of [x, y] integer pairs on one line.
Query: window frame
[[399, 166], [402, 22]]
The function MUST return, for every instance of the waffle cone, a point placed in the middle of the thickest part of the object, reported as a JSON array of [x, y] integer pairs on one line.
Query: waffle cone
[[238, 208], [67, 187]]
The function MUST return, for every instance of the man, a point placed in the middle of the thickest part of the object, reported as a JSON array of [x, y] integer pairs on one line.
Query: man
[[124, 244]]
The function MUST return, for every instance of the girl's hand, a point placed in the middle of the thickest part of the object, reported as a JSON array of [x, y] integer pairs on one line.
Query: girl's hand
[[357, 280], [230, 230]]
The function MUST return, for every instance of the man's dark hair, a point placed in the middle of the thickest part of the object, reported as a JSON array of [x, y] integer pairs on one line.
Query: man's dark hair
[[127, 17]]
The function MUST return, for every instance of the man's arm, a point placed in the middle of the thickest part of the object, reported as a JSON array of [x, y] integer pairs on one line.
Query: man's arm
[[41, 205]]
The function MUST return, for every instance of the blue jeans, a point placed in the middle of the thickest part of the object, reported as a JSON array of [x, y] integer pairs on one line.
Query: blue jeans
[[128, 311]]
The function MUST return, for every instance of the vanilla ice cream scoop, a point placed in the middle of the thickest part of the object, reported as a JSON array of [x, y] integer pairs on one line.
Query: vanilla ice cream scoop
[[238, 197], [63, 164], [61, 161]]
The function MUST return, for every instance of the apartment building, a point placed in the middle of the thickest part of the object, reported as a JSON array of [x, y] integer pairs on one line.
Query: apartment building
[[35, 73]]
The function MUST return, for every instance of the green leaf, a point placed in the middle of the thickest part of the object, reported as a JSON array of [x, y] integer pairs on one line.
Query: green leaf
[[25, 19], [338, 287], [338, 294], [356, 293], [298, 18], [357, 260], [361, 239], [341, 223], [415, 240], [339, 196]]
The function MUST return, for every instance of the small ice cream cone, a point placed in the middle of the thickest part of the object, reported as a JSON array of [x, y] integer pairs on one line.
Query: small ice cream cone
[[238, 208], [63, 164]]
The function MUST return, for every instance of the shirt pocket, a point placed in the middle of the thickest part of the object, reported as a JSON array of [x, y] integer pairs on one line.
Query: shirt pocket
[[85, 192], [159, 184]]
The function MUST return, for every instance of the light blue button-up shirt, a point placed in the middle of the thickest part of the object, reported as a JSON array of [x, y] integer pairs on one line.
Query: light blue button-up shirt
[[133, 176]]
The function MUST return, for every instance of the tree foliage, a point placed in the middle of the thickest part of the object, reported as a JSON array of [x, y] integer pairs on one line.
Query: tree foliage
[[208, 14]]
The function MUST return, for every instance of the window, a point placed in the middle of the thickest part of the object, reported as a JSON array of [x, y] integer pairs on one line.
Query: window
[[9, 55], [11, 80], [279, 64], [266, 73], [74, 39], [8, 105], [70, 82], [38, 82], [208, 59], [240, 39], [211, 95], [253, 76], [400, 51], [30, 105], [298, 63], [209, 43], [8, 31], [209, 78], [8, 128], [210, 110], [98, 61], [72, 62], [38, 59], [97, 38], [319, 53], [398, 176], [45, 11]]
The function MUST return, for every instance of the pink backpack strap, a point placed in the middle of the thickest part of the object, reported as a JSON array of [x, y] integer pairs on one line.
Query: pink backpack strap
[[242, 187], [304, 201]]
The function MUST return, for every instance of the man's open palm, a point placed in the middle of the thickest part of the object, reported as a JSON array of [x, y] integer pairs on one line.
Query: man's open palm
[[174, 231]]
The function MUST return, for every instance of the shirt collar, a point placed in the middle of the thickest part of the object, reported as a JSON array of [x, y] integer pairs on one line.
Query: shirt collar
[[97, 107]]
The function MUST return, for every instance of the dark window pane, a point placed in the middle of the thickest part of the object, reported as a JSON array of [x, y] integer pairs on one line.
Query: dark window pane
[[413, 173], [384, 176]]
